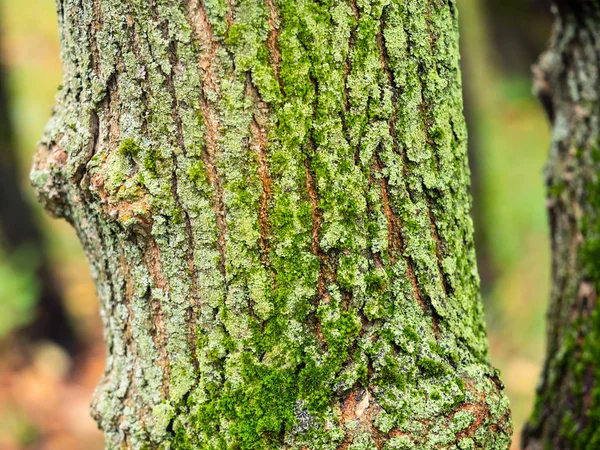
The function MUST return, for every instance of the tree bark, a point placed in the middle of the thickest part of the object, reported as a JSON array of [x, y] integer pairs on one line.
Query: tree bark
[[567, 409], [273, 196]]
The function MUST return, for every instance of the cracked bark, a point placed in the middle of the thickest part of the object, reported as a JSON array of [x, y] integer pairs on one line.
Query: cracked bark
[[273, 196]]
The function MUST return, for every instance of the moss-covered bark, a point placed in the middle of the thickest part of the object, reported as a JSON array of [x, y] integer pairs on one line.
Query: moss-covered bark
[[567, 409], [273, 195]]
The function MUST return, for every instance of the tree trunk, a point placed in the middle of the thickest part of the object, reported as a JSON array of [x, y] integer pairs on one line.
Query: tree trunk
[[567, 409], [273, 196]]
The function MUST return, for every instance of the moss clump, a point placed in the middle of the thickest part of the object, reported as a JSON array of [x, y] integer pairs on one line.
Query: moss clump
[[376, 282], [432, 368], [340, 334], [129, 147], [150, 160], [198, 174], [410, 334], [259, 411]]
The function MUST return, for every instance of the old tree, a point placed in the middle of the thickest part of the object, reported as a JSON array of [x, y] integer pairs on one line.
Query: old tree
[[273, 197]]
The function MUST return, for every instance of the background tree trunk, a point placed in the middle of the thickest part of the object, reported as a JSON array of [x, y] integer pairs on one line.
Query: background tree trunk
[[567, 410], [273, 196]]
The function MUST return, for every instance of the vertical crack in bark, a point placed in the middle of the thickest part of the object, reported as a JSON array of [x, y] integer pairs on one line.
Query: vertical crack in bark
[[136, 48], [438, 247], [395, 244], [95, 25], [259, 144], [429, 195], [176, 116], [229, 15], [383, 54], [348, 64], [316, 213], [271, 43], [423, 108], [158, 331], [208, 157], [202, 28], [129, 295], [213, 176], [394, 226], [317, 219], [94, 130], [325, 274]]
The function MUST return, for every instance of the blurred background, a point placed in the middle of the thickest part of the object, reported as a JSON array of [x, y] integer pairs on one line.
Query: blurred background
[[51, 349]]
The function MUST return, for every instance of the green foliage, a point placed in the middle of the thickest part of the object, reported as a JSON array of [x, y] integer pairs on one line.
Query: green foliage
[[19, 289]]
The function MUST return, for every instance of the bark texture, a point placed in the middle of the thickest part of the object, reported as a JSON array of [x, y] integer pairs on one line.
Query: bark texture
[[567, 409], [273, 196]]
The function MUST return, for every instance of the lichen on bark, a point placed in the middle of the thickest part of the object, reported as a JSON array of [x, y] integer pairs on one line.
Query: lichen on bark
[[273, 196], [567, 408]]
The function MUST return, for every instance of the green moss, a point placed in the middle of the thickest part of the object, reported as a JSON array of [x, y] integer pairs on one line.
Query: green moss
[[341, 332], [411, 334], [198, 173], [260, 411], [181, 440], [151, 158], [432, 368], [391, 373], [129, 147], [376, 282]]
